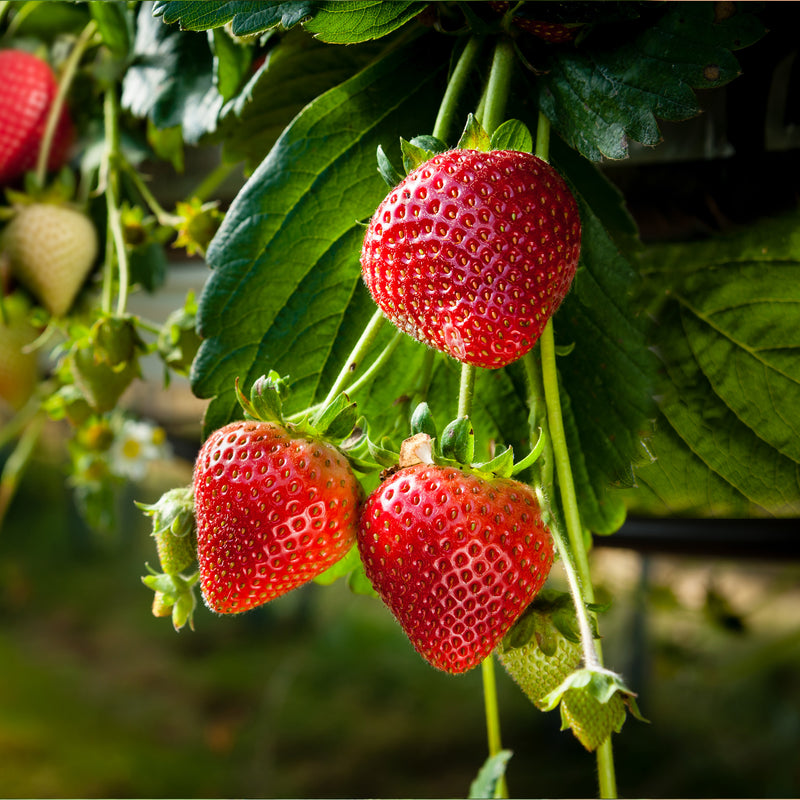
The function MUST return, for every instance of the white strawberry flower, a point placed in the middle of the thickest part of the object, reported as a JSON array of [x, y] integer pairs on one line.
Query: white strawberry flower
[[136, 445]]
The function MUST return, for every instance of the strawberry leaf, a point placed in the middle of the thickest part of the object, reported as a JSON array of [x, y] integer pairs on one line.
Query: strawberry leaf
[[171, 80], [246, 17], [729, 398], [331, 21], [489, 775], [360, 20], [286, 281], [598, 97], [605, 418]]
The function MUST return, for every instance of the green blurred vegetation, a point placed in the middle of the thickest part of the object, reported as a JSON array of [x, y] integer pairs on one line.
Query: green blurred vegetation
[[320, 695]]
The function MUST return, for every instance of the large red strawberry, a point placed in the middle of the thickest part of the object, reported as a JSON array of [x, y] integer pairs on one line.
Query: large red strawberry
[[273, 511], [473, 252], [27, 90], [51, 250], [456, 558]]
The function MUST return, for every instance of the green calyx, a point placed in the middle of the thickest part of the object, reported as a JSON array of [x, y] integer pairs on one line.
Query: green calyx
[[334, 421], [456, 447], [511, 135], [174, 596], [105, 361], [176, 543]]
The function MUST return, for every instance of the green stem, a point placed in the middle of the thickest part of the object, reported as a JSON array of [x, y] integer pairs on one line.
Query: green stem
[[368, 375], [17, 462], [498, 87], [492, 718], [54, 114], [213, 180], [356, 355], [111, 189], [569, 498], [580, 578], [456, 84], [162, 216], [466, 390]]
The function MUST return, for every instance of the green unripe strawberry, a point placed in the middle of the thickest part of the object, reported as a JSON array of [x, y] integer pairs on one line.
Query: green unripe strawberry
[[543, 647], [543, 654], [18, 366], [51, 250], [591, 721], [176, 543], [105, 361]]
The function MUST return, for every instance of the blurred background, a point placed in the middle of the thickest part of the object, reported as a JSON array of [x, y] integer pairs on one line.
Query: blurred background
[[319, 694]]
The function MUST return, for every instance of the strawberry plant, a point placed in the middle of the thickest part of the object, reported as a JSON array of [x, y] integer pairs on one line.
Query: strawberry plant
[[422, 225]]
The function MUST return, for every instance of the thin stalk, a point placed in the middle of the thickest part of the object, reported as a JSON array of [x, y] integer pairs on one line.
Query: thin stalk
[[581, 581], [111, 189], [466, 390], [67, 76], [357, 354], [491, 110], [213, 180], [492, 718], [376, 365], [569, 498], [17, 462], [162, 216], [493, 104], [458, 80]]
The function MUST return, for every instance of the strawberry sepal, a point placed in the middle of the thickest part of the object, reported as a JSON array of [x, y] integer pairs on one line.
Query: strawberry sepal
[[594, 703]]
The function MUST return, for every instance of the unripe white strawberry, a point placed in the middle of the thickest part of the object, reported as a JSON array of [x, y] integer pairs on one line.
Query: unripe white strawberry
[[51, 250]]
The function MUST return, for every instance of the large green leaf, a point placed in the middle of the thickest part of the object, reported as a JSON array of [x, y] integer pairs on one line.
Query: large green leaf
[[729, 337], [334, 21], [607, 377], [286, 280], [350, 21], [604, 93], [247, 17]]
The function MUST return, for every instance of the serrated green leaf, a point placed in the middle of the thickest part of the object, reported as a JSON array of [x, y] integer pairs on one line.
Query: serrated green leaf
[[726, 441], [286, 280], [171, 81], [247, 17], [512, 135], [353, 21], [607, 379], [599, 97]]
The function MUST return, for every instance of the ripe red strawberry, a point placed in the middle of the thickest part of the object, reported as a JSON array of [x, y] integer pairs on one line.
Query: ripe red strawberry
[[547, 30], [51, 249], [456, 558], [473, 252], [27, 90], [273, 511]]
